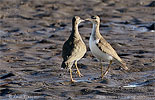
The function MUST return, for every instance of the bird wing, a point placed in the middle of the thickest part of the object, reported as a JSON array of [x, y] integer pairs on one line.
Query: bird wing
[[104, 46], [66, 50], [73, 50]]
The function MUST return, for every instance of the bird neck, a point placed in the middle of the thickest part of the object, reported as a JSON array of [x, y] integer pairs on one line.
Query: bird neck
[[75, 32], [95, 31]]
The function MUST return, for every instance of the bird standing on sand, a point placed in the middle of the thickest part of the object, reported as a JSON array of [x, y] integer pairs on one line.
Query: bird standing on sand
[[74, 48], [100, 48]]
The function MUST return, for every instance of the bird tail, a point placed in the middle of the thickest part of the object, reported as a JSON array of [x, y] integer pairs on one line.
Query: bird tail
[[124, 65], [66, 64], [63, 65]]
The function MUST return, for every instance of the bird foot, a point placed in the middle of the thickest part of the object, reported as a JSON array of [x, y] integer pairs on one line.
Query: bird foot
[[79, 74], [102, 77], [72, 81]]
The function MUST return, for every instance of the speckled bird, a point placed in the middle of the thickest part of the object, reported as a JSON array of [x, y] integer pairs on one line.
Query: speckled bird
[[100, 48], [74, 48]]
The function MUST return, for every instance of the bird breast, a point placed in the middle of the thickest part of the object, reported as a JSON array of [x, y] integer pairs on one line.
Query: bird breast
[[97, 52]]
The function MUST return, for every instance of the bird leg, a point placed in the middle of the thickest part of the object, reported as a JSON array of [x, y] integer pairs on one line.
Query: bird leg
[[71, 75], [78, 72], [105, 73], [101, 68]]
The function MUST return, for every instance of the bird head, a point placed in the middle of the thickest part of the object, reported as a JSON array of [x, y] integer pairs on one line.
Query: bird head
[[94, 19], [77, 20]]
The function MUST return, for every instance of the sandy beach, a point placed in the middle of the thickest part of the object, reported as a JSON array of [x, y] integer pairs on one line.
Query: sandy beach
[[32, 33]]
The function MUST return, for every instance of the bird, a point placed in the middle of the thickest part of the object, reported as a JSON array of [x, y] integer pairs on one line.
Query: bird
[[73, 49], [100, 48]]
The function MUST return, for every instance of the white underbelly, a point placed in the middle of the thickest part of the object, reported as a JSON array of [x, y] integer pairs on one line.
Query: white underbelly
[[98, 53]]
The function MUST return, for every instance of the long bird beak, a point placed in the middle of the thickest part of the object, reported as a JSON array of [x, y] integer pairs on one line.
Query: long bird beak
[[88, 19], [81, 20]]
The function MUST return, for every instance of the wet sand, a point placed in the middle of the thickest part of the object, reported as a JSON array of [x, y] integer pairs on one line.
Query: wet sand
[[32, 34]]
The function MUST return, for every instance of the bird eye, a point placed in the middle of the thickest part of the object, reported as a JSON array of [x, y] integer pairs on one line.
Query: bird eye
[[93, 17]]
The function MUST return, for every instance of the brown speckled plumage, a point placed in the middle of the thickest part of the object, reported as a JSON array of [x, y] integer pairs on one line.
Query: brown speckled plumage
[[74, 48], [100, 48]]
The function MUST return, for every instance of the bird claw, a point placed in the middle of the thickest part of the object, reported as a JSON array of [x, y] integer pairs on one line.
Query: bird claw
[[79, 74], [102, 76], [72, 81]]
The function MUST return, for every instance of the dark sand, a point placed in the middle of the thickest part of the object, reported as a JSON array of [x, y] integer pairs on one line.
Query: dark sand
[[32, 33]]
